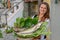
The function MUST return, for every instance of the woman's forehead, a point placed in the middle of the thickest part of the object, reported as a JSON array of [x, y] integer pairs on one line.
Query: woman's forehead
[[43, 5]]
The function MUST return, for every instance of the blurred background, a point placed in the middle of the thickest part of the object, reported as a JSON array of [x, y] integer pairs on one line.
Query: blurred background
[[11, 9]]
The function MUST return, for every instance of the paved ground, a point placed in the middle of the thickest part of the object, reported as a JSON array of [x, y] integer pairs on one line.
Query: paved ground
[[7, 36]]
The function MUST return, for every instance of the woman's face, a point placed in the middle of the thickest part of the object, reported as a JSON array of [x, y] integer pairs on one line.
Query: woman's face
[[43, 9]]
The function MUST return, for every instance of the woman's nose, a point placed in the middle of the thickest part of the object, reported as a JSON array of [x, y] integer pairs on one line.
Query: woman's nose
[[42, 9]]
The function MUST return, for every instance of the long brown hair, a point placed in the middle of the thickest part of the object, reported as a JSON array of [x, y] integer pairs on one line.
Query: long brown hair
[[46, 15]]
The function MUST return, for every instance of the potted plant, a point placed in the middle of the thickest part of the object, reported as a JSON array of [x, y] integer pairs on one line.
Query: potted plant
[[1, 36], [9, 29]]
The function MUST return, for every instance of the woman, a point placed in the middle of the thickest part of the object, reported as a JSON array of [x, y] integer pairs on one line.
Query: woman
[[43, 16]]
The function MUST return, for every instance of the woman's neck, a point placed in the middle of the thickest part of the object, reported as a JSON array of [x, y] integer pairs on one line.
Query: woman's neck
[[41, 17]]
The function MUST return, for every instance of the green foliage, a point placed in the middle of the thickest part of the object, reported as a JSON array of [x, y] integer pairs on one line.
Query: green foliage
[[22, 21], [9, 30], [19, 22], [25, 22], [15, 24], [1, 36], [35, 20], [40, 31], [28, 22]]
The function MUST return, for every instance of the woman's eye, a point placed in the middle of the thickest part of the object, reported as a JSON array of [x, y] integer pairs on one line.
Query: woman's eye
[[44, 8], [41, 7]]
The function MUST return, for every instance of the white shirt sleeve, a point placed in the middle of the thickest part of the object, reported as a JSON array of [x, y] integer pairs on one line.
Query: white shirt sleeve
[[48, 22], [32, 17]]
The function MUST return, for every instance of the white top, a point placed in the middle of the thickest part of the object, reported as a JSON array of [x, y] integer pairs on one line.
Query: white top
[[47, 20]]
